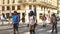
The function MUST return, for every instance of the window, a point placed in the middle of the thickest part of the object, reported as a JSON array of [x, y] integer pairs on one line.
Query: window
[[13, 1], [44, 8], [19, 1], [25, 0], [30, 0], [41, 8], [18, 14], [12, 14], [40, 15], [3, 8], [34, 0], [8, 2], [3, 14], [7, 15], [13, 7], [3, 1], [34, 6], [30, 6], [8, 8], [18, 7]]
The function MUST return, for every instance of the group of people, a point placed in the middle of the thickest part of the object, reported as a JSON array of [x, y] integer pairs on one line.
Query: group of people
[[53, 21], [33, 22]]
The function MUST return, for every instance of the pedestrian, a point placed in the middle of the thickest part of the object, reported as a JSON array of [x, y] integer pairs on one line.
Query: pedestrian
[[32, 22], [2, 19], [54, 22], [16, 20], [23, 19], [44, 20]]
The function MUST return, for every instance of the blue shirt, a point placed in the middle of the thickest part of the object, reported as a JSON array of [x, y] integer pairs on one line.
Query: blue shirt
[[16, 19]]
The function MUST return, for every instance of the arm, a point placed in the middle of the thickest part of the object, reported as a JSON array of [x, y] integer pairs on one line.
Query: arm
[[56, 19], [19, 19], [12, 21], [51, 19]]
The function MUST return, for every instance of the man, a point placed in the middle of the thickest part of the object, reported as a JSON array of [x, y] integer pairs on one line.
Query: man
[[54, 22], [23, 19], [16, 20]]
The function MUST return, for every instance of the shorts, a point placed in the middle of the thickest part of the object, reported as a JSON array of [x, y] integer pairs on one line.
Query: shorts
[[15, 27], [32, 27]]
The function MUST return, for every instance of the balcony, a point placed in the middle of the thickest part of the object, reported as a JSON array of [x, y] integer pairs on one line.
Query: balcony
[[27, 2], [46, 4]]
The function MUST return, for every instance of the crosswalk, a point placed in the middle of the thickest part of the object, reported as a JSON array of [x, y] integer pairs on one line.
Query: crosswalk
[[38, 30], [46, 30]]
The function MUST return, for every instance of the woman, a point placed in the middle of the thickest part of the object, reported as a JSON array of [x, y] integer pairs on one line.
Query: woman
[[2, 19], [31, 22], [44, 20]]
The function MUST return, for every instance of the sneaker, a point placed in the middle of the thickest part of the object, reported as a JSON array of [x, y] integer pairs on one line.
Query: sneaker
[[44, 25], [56, 32], [52, 32]]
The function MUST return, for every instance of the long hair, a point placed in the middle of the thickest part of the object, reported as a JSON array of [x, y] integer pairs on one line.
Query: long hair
[[31, 13], [54, 15]]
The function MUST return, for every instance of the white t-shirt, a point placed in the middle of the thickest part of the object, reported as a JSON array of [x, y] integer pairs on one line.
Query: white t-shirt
[[2, 18], [32, 20]]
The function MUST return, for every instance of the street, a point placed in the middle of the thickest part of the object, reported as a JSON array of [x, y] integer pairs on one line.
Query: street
[[39, 30]]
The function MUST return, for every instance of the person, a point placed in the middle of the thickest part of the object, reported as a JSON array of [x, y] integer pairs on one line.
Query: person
[[23, 19], [2, 19], [44, 20], [32, 22], [16, 20], [54, 22]]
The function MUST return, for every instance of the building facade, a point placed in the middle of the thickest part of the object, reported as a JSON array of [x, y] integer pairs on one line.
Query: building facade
[[59, 8], [7, 7]]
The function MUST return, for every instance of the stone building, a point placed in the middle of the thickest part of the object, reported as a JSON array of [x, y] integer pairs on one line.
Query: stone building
[[7, 7]]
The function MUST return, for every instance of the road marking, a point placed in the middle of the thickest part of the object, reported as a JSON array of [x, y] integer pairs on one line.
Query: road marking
[[10, 30], [27, 33], [49, 31], [58, 25], [40, 29]]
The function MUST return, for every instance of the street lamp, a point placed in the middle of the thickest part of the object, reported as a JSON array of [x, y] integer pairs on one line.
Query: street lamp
[[35, 10]]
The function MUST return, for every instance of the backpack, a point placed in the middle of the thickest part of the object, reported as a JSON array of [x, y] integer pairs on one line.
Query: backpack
[[34, 18], [18, 17], [54, 19], [44, 18]]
